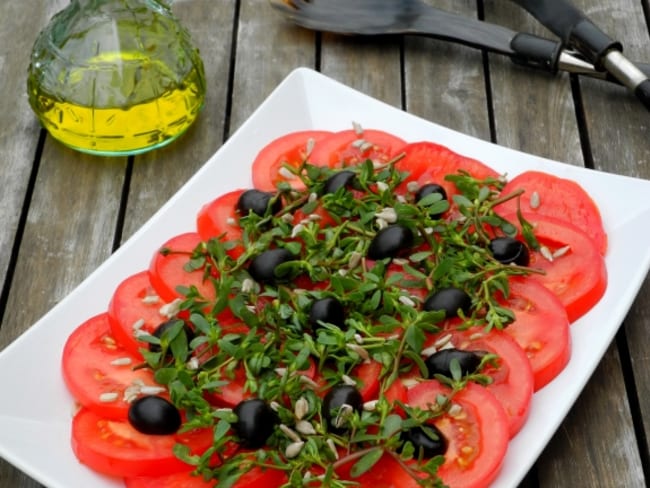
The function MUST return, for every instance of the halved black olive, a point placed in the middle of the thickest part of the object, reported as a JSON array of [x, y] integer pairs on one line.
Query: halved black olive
[[328, 310], [258, 202], [508, 250], [430, 189], [263, 266], [449, 300], [339, 180], [165, 326], [255, 422], [153, 415], [428, 441], [439, 362], [334, 415], [390, 241]]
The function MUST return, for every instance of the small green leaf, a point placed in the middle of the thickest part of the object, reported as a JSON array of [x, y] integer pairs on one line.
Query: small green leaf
[[366, 462], [415, 338], [392, 425]]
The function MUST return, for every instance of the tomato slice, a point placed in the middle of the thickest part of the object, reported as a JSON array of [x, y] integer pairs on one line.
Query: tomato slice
[[134, 305], [560, 198], [235, 391], [219, 218], [577, 274], [115, 448], [289, 150], [97, 369], [182, 479], [167, 272], [477, 436], [368, 375], [512, 376], [428, 162], [349, 148], [541, 328], [256, 477]]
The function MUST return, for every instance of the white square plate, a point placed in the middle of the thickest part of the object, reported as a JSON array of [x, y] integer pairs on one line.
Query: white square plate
[[35, 420]]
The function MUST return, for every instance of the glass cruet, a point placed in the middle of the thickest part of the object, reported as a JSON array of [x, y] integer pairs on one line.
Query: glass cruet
[[115, 77]]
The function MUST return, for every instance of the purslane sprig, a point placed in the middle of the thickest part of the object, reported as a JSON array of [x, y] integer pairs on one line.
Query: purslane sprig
[[282, 360]]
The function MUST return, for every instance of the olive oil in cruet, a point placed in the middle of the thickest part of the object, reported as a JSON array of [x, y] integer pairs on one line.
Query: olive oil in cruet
[[115, 77]]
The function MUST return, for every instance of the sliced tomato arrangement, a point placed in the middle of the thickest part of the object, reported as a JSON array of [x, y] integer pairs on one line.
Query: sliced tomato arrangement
[[560, 198], [167, 270], [351, 147], [541, 328], [477, 433], [573, 268], [271, 166], [219, 219], [97, 369], [364, 352], [135, 307], [115, 448], [428, 162], [511, 375]]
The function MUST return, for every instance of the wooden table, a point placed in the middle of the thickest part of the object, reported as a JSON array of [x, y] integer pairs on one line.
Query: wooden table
[[62, 213]]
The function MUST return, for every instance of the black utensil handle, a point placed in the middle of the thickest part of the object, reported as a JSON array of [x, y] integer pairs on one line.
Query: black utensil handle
[[536, 52], [575, 29]]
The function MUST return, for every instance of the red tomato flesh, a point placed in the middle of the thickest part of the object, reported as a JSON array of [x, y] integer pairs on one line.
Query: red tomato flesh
[[560, 198], [477, 437], [134, 305], [578, 277], [219, 219], [512, 376], [541, 328], [115, 448], [97, 369], [427, 162], [167, 272], [256, 477], [349, 148], [289, 150]]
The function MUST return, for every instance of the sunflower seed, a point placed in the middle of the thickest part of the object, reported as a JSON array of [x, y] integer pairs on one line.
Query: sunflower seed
[[290, 433], [305, 427], [301, 408], [535, 200], [293, 449]]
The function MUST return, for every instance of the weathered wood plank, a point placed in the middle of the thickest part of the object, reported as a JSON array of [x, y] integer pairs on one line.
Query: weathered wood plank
[[444, 82], [159, 174], [618, 132], [519, 92], [268, 49], [19, 128]]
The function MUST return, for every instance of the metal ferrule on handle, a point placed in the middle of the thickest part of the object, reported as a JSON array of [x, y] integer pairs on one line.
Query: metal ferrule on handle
[[579, 32]]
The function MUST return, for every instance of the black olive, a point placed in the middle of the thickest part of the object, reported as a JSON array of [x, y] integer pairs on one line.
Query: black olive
[[508, 250], [328, 310], [449, 300], [390, 241], [439, 362], [339, 395], [263, 266], [339, 180], [258, 202], [162, 328], [255, 422], [429, 189], [153, 415], [428, 441]]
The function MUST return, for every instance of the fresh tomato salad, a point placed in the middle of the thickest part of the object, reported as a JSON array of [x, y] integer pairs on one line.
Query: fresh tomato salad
[[371, 312]]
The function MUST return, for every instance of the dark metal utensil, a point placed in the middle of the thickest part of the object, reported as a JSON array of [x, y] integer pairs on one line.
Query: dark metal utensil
[[413, 17], [578, 31]]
